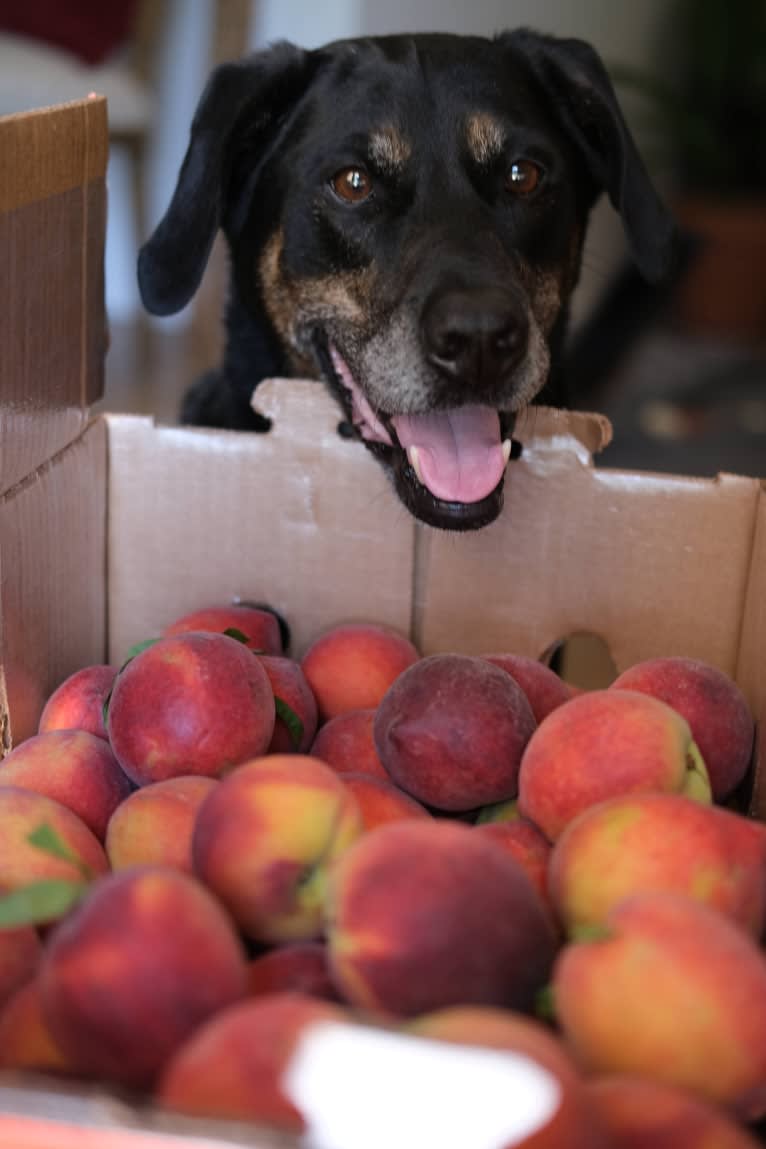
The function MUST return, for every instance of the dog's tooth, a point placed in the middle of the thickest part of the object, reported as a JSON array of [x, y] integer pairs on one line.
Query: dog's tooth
[[414, 461], [506, 450]]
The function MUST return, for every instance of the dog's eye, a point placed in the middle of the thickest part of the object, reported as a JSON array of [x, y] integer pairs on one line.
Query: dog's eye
[[352, 184], [523, 177]]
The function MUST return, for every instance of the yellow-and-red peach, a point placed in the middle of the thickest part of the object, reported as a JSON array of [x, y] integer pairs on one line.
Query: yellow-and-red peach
[[351, 666], [347, 743], [78, 702], [154, 825]]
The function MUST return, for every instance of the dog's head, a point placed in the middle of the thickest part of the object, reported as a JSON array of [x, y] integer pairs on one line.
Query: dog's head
[[406, 216]]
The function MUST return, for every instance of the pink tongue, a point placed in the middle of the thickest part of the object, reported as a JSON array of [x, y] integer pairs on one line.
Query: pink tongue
[[459, 451]]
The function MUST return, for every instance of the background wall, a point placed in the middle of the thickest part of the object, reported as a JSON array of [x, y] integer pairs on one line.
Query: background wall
[[625, 33]]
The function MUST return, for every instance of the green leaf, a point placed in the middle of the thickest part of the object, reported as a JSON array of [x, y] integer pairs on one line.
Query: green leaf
[[139, 646], [291, 721], [545, 1003], [234, 632], [590, 932], [39, 902], [45, 838]]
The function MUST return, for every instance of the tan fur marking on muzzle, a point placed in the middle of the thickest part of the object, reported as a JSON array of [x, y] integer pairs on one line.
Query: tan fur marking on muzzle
[[485, 137]]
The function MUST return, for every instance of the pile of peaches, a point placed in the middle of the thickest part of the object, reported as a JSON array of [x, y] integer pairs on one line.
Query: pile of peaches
[[215, 851]]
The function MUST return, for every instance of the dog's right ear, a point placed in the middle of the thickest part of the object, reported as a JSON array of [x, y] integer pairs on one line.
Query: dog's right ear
[[250, 95]]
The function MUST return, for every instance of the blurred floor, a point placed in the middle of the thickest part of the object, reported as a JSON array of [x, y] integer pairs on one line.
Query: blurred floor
[[677, 405]]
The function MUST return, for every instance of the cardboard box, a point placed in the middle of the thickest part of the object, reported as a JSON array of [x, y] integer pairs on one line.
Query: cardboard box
[[110, 527]]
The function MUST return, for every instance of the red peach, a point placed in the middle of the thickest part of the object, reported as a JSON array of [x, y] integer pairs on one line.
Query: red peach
[[574, 1122], [154, 825], [602, 744], [712, 704], [129, 975], [260, 626], [265, 839], [528, 845], [76, 768], [347, 744], [381, 802], [671, 990], [20, 951], [299, 967], [542, 686], [195, 703], [425, 914], [352, 666], [659, 842], [21, 863], [641, 1114], [289, 685], [234, 1066], [451, 731], [26, 1041], [78, 702]]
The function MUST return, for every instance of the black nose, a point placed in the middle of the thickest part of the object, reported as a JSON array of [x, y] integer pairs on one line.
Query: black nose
[[474, 336]]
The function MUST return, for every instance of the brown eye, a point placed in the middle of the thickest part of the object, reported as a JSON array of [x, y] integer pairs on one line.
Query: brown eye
[[352, 184], [524, 177]]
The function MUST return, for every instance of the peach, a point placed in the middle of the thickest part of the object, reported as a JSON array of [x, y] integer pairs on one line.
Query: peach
[[451, 731], [195, 703], [346, 743], [20, 951], [76, 768], [524, 842], [673, 991], [601, 744], [234, 1065], [129, 975], [381, 802], [259, 625], [22, 863], [265, 839], [78, 702], [642, 1114], [542, 686], [712, 704], [154, 824], [289, 685], [300, 967], [351, 666], [426, 914], [643, 842], [574, 1122], [26, 1041]]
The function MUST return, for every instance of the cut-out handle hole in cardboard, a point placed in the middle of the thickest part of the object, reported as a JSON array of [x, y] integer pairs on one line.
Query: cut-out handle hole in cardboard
[[583, 660]]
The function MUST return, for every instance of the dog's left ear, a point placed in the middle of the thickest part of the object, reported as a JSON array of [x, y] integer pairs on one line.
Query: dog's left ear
[[571, 75]]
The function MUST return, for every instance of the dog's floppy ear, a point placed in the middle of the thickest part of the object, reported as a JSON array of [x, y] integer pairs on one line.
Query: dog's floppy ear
[[571, 75], [250, 95]]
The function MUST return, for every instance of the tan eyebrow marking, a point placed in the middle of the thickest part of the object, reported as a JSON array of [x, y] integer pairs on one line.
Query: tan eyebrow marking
[[388, 148], [485, 137]]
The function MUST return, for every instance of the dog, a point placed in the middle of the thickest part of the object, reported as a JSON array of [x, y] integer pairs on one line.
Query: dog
[[405, 218]]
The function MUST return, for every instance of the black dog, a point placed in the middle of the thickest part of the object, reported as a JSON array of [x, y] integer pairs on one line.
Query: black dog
[[405, 218]]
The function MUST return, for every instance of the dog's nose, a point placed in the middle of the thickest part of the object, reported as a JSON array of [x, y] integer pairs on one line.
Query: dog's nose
[[475, 336]]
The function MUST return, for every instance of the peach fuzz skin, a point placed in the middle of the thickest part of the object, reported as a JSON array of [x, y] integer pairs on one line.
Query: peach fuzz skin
[[574, 1124], [265, 839], [381, 802], [352, 666], [347, 744], [638, 843], [260, 626], [542, 686], [426, 914], [601, 744], [712, 704], [75, 768], [194, 703], [234, 1065], [129, 975], [78, 702], [154, 825], [298, 967], [672, 991], [641, 1114]]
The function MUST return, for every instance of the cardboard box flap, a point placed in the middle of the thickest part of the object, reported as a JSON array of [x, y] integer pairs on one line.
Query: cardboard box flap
[[52, 325], [305, 522]]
